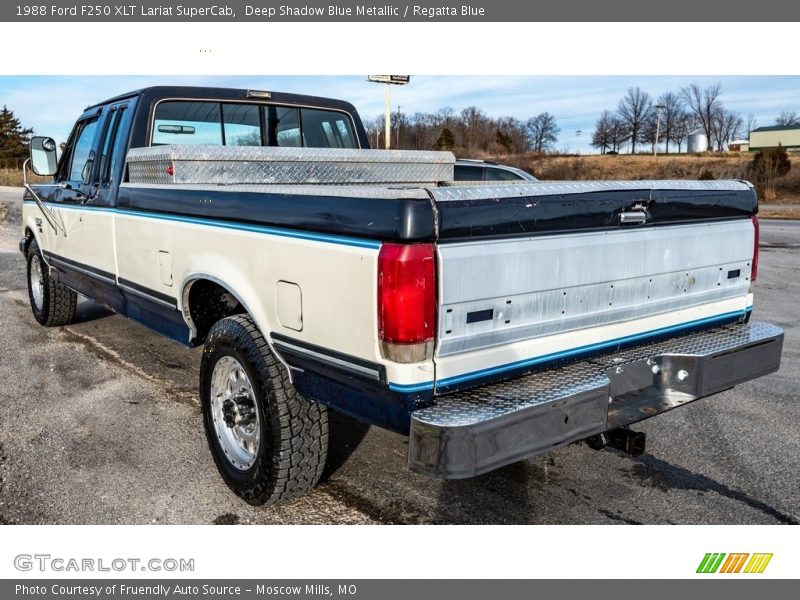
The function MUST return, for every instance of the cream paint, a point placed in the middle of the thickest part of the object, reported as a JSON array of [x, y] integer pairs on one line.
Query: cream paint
[[338, 282]]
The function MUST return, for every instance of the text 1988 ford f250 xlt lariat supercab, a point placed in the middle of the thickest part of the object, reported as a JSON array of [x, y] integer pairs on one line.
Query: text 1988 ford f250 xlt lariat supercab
[[488, 323]]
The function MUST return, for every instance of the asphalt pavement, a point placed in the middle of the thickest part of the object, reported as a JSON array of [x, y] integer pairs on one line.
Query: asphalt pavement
[[100, 423]]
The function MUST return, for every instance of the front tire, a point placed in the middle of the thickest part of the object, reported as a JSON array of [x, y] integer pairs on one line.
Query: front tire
[[269, 443], [53, 304]]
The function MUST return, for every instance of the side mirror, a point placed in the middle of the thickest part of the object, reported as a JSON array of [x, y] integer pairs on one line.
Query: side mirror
[[43, 156]]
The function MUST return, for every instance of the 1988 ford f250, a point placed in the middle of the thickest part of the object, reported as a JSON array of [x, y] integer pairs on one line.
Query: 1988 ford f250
[[488, 323]]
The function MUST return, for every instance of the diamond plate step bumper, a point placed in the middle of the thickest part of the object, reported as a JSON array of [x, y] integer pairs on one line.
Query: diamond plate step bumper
[[478, 430]]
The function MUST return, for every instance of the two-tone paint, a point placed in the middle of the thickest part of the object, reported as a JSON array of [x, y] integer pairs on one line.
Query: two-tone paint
[[303, 264]]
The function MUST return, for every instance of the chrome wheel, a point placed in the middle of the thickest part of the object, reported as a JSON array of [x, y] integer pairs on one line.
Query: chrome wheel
[[37, 282], [235, 413]]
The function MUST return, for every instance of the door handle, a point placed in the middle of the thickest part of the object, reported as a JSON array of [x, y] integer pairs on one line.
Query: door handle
[[632, 217]]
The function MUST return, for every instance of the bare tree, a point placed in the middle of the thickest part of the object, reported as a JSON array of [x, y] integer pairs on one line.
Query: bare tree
[[727, 126], [474, 126], [603, 131], [651, 128], [671, 113], [512, 134], [752, 123], [375, 127], [446, 115], [705, 104], [619, 134], [543, 131], [633, 111], [683, 126], [788, 119]]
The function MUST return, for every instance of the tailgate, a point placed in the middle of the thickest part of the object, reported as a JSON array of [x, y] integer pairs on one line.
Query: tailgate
[[508, 302]]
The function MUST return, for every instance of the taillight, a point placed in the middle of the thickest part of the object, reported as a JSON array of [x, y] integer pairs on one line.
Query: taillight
[[754, 269], [406, 301]]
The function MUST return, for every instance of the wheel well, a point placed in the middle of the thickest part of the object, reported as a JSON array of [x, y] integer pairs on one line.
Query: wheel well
[[205, 303]]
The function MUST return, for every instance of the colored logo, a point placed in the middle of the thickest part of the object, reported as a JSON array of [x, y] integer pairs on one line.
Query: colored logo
[[741, 562]]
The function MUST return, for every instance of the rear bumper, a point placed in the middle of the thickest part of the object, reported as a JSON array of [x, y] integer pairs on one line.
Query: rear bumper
[[478, 430]]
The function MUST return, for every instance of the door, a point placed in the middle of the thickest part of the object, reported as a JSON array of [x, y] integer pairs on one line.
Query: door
[[88, 178], [71, 186], [100, 191]]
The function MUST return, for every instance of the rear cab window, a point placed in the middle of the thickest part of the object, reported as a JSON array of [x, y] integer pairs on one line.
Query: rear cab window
[[250, 124], [187, 123]]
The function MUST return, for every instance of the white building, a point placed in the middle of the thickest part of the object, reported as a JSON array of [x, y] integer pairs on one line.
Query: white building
[[770, 137]]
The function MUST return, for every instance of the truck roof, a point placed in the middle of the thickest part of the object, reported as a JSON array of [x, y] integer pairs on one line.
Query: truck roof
[[147, 98], [220, 93]]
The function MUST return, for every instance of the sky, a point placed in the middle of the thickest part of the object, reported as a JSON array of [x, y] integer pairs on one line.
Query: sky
[[50, 104]]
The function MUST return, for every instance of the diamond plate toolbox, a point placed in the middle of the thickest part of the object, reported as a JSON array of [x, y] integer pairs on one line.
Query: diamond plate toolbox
[[229, 165]]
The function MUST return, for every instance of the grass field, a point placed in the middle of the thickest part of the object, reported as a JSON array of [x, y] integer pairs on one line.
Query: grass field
[[554, 168], [726, 166], [13, 177]]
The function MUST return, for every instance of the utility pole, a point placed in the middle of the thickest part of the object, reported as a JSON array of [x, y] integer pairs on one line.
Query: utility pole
[[397, 143], [387, 126], [389, 80], [659, 108]]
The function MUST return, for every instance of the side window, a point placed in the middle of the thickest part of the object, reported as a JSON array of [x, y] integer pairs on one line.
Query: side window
[[120, 142], [110, 146], [242, 124], [467, 173], [81, 150], [180, 122]]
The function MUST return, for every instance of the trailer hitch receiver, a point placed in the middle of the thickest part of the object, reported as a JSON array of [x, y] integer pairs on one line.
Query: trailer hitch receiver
[[625, 440]]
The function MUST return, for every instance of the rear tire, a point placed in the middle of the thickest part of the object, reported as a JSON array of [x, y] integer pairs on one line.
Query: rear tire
[[269, 443], [53, 304]]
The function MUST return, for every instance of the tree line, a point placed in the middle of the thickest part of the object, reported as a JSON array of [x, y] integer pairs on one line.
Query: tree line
[[639, 122], [467, 132], [642, 120], [14, 138]]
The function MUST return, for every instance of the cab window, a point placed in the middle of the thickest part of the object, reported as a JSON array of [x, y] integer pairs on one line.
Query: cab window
[[326, 129], [248, 124], [112, 142], [187, 123], [81, 150], [241, 125], [283, 125]]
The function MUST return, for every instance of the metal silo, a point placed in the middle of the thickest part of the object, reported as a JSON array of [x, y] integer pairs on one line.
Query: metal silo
[[696, 141]]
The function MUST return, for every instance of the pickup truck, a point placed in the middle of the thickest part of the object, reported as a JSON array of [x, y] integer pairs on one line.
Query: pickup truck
[[488, 323]]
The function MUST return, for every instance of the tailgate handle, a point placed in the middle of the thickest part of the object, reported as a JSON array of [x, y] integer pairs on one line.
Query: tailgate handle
[[631, 217]]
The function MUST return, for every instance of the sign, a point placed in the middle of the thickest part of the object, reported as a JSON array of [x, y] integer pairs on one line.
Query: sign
[[395, 79]]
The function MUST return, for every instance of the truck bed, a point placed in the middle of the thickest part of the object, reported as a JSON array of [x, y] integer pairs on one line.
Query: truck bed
[[525, 272], [336, 191]]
